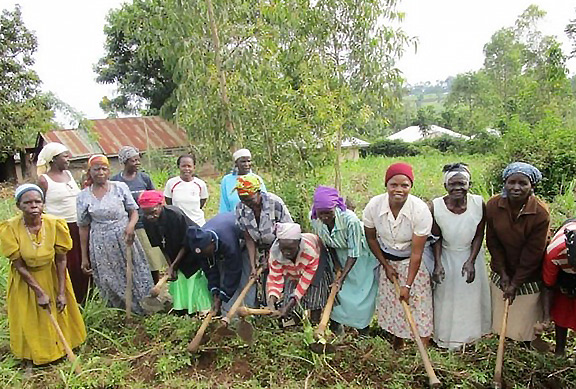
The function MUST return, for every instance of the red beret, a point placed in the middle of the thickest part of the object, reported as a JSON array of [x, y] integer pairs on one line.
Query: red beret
[[399, 168], [150, 198]]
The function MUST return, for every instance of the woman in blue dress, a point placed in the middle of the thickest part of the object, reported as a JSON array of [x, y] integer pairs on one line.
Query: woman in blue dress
[[343, 235]]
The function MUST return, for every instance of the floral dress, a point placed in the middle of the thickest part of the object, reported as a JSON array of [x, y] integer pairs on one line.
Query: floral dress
[[108, 218]]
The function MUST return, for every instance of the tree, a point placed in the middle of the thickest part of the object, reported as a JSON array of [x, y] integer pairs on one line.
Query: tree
[[23, 109]]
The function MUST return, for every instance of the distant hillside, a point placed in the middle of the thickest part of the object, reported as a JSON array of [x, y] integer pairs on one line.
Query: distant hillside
[[428, 93]]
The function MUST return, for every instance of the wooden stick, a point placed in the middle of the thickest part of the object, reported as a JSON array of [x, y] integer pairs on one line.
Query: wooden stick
[[433, 380], [500, 355], [69, 352], [195, 343], [245, 311], [128, 292], [328, 308], [155, 291], [241, 296]]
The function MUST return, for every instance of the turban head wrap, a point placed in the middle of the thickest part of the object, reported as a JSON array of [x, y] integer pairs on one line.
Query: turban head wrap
[[526, 169], [455, 170], [248, 185], [288, 231], [399, 168], [27, 188], [127, 152], [96, 159], [150, 198], [326, 197], [47, 154], [241, 153]]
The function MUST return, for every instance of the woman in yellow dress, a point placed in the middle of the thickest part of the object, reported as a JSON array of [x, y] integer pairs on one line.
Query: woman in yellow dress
[[36, 245]]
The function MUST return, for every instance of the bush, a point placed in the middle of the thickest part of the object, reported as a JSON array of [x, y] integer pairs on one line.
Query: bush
[[483, 143], [392, 148], [445, 144]]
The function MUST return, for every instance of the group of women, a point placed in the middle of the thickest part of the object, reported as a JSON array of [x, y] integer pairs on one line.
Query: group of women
[[401, 250]]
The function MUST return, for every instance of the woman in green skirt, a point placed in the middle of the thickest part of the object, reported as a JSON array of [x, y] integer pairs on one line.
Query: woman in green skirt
[[166, 227]]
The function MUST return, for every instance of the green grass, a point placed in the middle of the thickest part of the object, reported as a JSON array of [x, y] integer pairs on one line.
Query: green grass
[[151, 351]]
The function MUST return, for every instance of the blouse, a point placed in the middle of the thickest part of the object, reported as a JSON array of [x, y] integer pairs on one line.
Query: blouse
[[186, 195]]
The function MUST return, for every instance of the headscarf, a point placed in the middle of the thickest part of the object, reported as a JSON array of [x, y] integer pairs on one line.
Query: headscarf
[[96, 159], [248, 185], [460, 169], [326, 197], [47, 154], [27, 188], [399, 168], [150, 198], [241, 153], [528, 170], [288, 231], [127, 152]]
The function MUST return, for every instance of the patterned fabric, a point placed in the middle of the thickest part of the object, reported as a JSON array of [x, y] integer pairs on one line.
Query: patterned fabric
[[556, 251], [228, 196], [273, 211], [248, 184], [302, 269], [525, 288], [525, 168], [127, 152], [107, 218]]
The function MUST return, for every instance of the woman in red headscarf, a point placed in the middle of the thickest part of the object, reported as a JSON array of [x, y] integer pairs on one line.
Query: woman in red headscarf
[[397, 225]]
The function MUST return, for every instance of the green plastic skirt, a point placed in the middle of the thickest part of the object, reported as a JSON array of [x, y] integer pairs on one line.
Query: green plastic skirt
[[191, 294]]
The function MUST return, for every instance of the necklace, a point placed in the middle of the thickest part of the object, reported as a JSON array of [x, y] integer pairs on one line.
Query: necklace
[[32, 240]]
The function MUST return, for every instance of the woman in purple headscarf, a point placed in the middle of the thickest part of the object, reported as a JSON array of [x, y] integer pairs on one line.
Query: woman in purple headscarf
[[343, 235]]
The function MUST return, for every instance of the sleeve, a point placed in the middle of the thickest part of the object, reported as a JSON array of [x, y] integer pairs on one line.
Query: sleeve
[[239, 211], [422, 220], [495, 247], [275, 280], [62, 241], [152, 233], [168, 188], [224, 201], [82, 210], [212, 275], [550, 269], [355, 232], [9, 246], [263, 188], [203, 190], [367, 217], [307, 274], [282, 213], [148, 181], [127, 198], [532, 252], [232, 271]]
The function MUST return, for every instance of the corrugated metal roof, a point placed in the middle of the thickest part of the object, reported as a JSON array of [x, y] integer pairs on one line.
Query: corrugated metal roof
[[110, 135]]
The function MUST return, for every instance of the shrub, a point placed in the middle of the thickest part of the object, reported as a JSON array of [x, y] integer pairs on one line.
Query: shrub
[[445, 144], [392, 148]]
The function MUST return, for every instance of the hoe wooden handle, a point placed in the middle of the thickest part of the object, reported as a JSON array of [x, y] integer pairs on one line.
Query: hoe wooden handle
[[155, 291], [241, 296], [195, 343], [500, 355], [328, 308], [69, 352]]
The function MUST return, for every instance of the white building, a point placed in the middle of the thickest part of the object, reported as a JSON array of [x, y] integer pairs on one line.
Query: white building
[[413, 134]]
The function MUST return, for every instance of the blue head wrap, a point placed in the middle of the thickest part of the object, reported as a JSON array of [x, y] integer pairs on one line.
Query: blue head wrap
[[528, 170], [27, 188]]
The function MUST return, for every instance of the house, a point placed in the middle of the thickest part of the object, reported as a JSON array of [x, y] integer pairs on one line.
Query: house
[[414, 134], [351, 147], [107, 136]]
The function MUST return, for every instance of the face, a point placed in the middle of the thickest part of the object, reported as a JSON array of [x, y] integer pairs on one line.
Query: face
[[133, 164], [457, 186], [31, 203], [289, 248], [99, 173], [326, 216], [518, 187], [61, 161], [251, 201], [244, 164], [186, 168], [152, 214], [208, 251], [398, 188]]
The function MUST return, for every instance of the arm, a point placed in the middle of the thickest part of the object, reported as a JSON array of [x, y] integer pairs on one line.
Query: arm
[[549, 271], [129, 232], [202, 203], [469, 267], [60, 260], [532, 253], [43, 184], [372, 241], [251, 247], [203, 194], [41, 296], [168, 200], [84, 235], [418, 243], [439, 273]]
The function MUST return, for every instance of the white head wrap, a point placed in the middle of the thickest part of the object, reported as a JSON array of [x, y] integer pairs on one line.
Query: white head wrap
[[127, 152], [241, 153], [452, 173], [288, 231], [19, 192], [47, 154]]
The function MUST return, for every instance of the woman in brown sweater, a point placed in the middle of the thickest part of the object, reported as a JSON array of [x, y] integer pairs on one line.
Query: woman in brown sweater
[[516, 236]]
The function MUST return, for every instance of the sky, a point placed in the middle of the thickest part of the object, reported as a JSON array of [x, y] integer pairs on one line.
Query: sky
[[451, 35]]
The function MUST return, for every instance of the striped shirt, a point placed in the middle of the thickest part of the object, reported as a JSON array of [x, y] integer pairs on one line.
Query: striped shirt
[[348, 232], [302, 269], [556, 251]]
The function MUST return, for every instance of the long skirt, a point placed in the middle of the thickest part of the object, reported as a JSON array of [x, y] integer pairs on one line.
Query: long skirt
[[250, 300], [80, 281], [156, 260], [190, 294], [108, 260], [32, 336], [391, 315], [524, 313], [563, 310]]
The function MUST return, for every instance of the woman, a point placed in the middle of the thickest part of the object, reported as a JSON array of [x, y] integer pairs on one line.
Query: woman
[[36, 245], [516, 234], [461, 294], [107, 216], [559, 272], [138, 181], [187, 192], [166, 227], [397, 225], [343, 235], [242, 166], [60, 191]]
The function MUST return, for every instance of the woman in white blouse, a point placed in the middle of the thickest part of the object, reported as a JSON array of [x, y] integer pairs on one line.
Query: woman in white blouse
[[397, 225]]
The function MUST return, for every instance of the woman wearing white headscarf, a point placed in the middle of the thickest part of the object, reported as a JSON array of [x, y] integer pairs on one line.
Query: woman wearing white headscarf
[[61, 190]]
